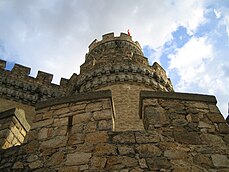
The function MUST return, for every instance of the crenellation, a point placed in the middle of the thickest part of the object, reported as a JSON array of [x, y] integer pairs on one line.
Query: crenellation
[[44, 77], [21, 71], [108, 36]]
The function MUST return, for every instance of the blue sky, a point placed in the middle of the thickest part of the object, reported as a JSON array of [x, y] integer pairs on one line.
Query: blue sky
[[190, 38]]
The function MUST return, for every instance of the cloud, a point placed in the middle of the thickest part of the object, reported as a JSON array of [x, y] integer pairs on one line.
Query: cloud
[[54, 36], [200, 70], [190, 60]]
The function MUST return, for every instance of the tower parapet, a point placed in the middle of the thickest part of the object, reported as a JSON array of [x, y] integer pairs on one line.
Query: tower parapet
[[119, 60], [17, 85]]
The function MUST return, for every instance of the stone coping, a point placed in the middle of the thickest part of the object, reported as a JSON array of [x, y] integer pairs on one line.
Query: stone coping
[[74, 98], [176, 96], [19, 114]]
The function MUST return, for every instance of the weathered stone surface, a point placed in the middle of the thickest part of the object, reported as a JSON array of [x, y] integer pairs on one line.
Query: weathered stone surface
[[78, 158], [125, 150], [98, 162], [56, 159], [220, 160], [76, 138], [32, 158], [18, 165], [224, 128], [213, 140], [35, 164], [60, 121], [124, 137], [215, 117], [148, 150], [119, 162], [187, 137], [154, 117], [102, 115], [192, 118], [55, 142], [203, 160], [81, 118], [42, 123], [105, 125], [62, 110], [70, 169], [105, 149], [96, 137], [175, 154], [142, 163], [142, 137], [158, 163], [94, 106], [179, 122]]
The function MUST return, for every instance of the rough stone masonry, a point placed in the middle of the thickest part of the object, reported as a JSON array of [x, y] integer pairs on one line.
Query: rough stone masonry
[[118, 114]]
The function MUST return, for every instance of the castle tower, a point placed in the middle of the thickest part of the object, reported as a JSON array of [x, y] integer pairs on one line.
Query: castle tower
[[118, 64]]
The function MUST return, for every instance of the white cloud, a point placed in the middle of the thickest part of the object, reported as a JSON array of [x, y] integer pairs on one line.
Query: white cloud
[[190, 59], [59, 33], [217, 13], [200, 70]]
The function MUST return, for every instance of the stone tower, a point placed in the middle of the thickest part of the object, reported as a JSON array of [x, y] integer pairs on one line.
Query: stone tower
[[118, 114], [118, 64]]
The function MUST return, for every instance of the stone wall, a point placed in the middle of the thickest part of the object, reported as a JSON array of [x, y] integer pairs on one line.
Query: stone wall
[[13, 128], [183, 132]]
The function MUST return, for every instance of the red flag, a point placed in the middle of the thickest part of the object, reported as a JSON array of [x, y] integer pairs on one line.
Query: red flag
[[128, 32]]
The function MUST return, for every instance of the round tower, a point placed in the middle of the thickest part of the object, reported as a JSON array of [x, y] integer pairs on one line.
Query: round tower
[[117, 60], [118, 64]]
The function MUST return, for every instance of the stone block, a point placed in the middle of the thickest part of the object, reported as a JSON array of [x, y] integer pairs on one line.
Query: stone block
[[103, 115], [76, 138], [119, 162], [220, 160], [187, 137], [175, 154], [55, 142], [216, 117], [90, 127], [125, 137], [43, 123], [213, 140], [158, 163], [78, 158], [125, 150], [98, 163], [148, 150], [60, 122], [18, 165], [96, 137], [143, 137], [105, 149], [223, 128], [94, 106], [35, 164], [81, 118], [105, 125], [56, 159]]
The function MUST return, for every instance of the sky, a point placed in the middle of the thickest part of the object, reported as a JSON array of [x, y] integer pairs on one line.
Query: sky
[[189, 38]]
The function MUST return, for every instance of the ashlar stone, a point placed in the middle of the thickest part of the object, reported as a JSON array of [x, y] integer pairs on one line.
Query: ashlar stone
[[78, 158], [220, 160]]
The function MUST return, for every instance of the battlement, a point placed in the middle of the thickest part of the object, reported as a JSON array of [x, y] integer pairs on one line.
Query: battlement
[[110, 37], [16, 84], [20, 71]]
